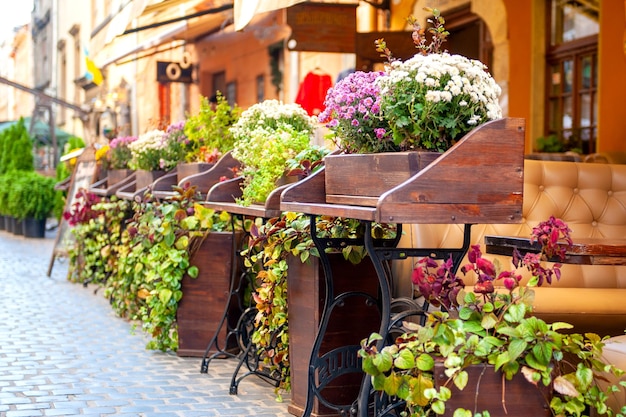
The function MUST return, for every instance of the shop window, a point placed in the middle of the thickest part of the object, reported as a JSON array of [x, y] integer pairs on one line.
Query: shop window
[[572, 64], [260, 88], [231, 93]]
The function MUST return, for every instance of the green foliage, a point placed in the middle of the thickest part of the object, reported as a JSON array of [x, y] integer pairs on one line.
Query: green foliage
[[28, 194], [154, 256], [494, 328], [93, 258], [267, 135], [4, 151], [209, 132], [17, 149], [5, 185]]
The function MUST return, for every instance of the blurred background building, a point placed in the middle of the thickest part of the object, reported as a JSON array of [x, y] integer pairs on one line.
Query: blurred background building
[[118, 67]]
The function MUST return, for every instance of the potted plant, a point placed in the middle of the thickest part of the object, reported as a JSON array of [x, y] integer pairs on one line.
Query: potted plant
[[425, 370], [30, 200], [395, 122], [267, 135], [4, 211], [117, 158], [208, 135], [149, 157]]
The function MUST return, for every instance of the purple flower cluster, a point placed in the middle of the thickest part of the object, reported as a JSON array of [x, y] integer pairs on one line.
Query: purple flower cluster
[[352, 112], [176, 131]]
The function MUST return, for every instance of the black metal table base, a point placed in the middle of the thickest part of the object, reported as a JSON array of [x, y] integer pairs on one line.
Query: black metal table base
[[323, 368], [241, 332]]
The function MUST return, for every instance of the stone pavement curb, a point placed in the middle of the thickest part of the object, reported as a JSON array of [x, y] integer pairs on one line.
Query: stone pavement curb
[[63, 352]]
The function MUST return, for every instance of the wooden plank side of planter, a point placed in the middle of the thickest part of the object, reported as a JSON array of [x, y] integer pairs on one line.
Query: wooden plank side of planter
[[359, 179], [204, 298], [479, 180], [224, 168], [485, 392], [184, 170], [349, 324]]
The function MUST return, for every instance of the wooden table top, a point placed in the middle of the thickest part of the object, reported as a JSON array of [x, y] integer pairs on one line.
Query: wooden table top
[[584, 251]]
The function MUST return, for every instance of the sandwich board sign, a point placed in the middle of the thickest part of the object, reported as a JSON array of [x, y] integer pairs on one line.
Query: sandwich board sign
[[84, 174]]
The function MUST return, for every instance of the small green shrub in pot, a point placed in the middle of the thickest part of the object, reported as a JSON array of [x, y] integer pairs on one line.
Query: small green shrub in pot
[[208, 132], [31, 195]]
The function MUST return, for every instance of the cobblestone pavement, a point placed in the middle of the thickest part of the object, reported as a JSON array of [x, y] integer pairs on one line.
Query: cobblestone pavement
[[63, 352]]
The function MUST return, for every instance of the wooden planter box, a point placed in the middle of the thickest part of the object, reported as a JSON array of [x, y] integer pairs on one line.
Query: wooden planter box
[[384, 171], [204, 298], [145, 178], [184, 170], [348, 325], [520, 397], [478, 180], [115, 176]]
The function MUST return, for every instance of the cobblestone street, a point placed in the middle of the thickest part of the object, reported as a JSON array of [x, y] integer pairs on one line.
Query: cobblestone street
[[63, 352]]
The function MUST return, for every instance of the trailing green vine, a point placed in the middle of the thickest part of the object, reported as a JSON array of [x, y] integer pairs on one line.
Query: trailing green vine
[[155, 253], [98, 225]]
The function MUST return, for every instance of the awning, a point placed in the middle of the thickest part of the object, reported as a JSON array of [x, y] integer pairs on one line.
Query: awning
[[246, 9], [180, 20], [122, 20]]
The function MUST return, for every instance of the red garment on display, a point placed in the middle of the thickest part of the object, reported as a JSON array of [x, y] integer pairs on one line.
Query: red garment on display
[[312, 92]]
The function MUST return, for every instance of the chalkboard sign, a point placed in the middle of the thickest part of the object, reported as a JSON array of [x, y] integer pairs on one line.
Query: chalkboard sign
[[84, 174]]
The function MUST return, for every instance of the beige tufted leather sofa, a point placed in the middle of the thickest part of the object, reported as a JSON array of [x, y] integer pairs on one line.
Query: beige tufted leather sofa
[[591, 198]]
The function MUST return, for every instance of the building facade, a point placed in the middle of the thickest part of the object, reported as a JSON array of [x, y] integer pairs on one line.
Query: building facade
[[560, 63]]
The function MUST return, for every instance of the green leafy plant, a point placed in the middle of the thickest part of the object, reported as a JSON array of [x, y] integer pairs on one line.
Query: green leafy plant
[[208, 132], [155, 253], [18, 149], [267, 135], [29, 194], [494, 327], [97, 228], [550, 143]]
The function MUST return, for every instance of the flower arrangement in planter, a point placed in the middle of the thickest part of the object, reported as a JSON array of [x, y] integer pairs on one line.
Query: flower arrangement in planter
[[119, 153], [163, 236], [208, 132], [267, 135], [157, 150], [270, 246], [352, 112], [492, 327], [427, 102]]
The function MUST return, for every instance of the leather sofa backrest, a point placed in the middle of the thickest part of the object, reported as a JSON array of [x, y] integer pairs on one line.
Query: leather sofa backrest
[[590, 198]]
